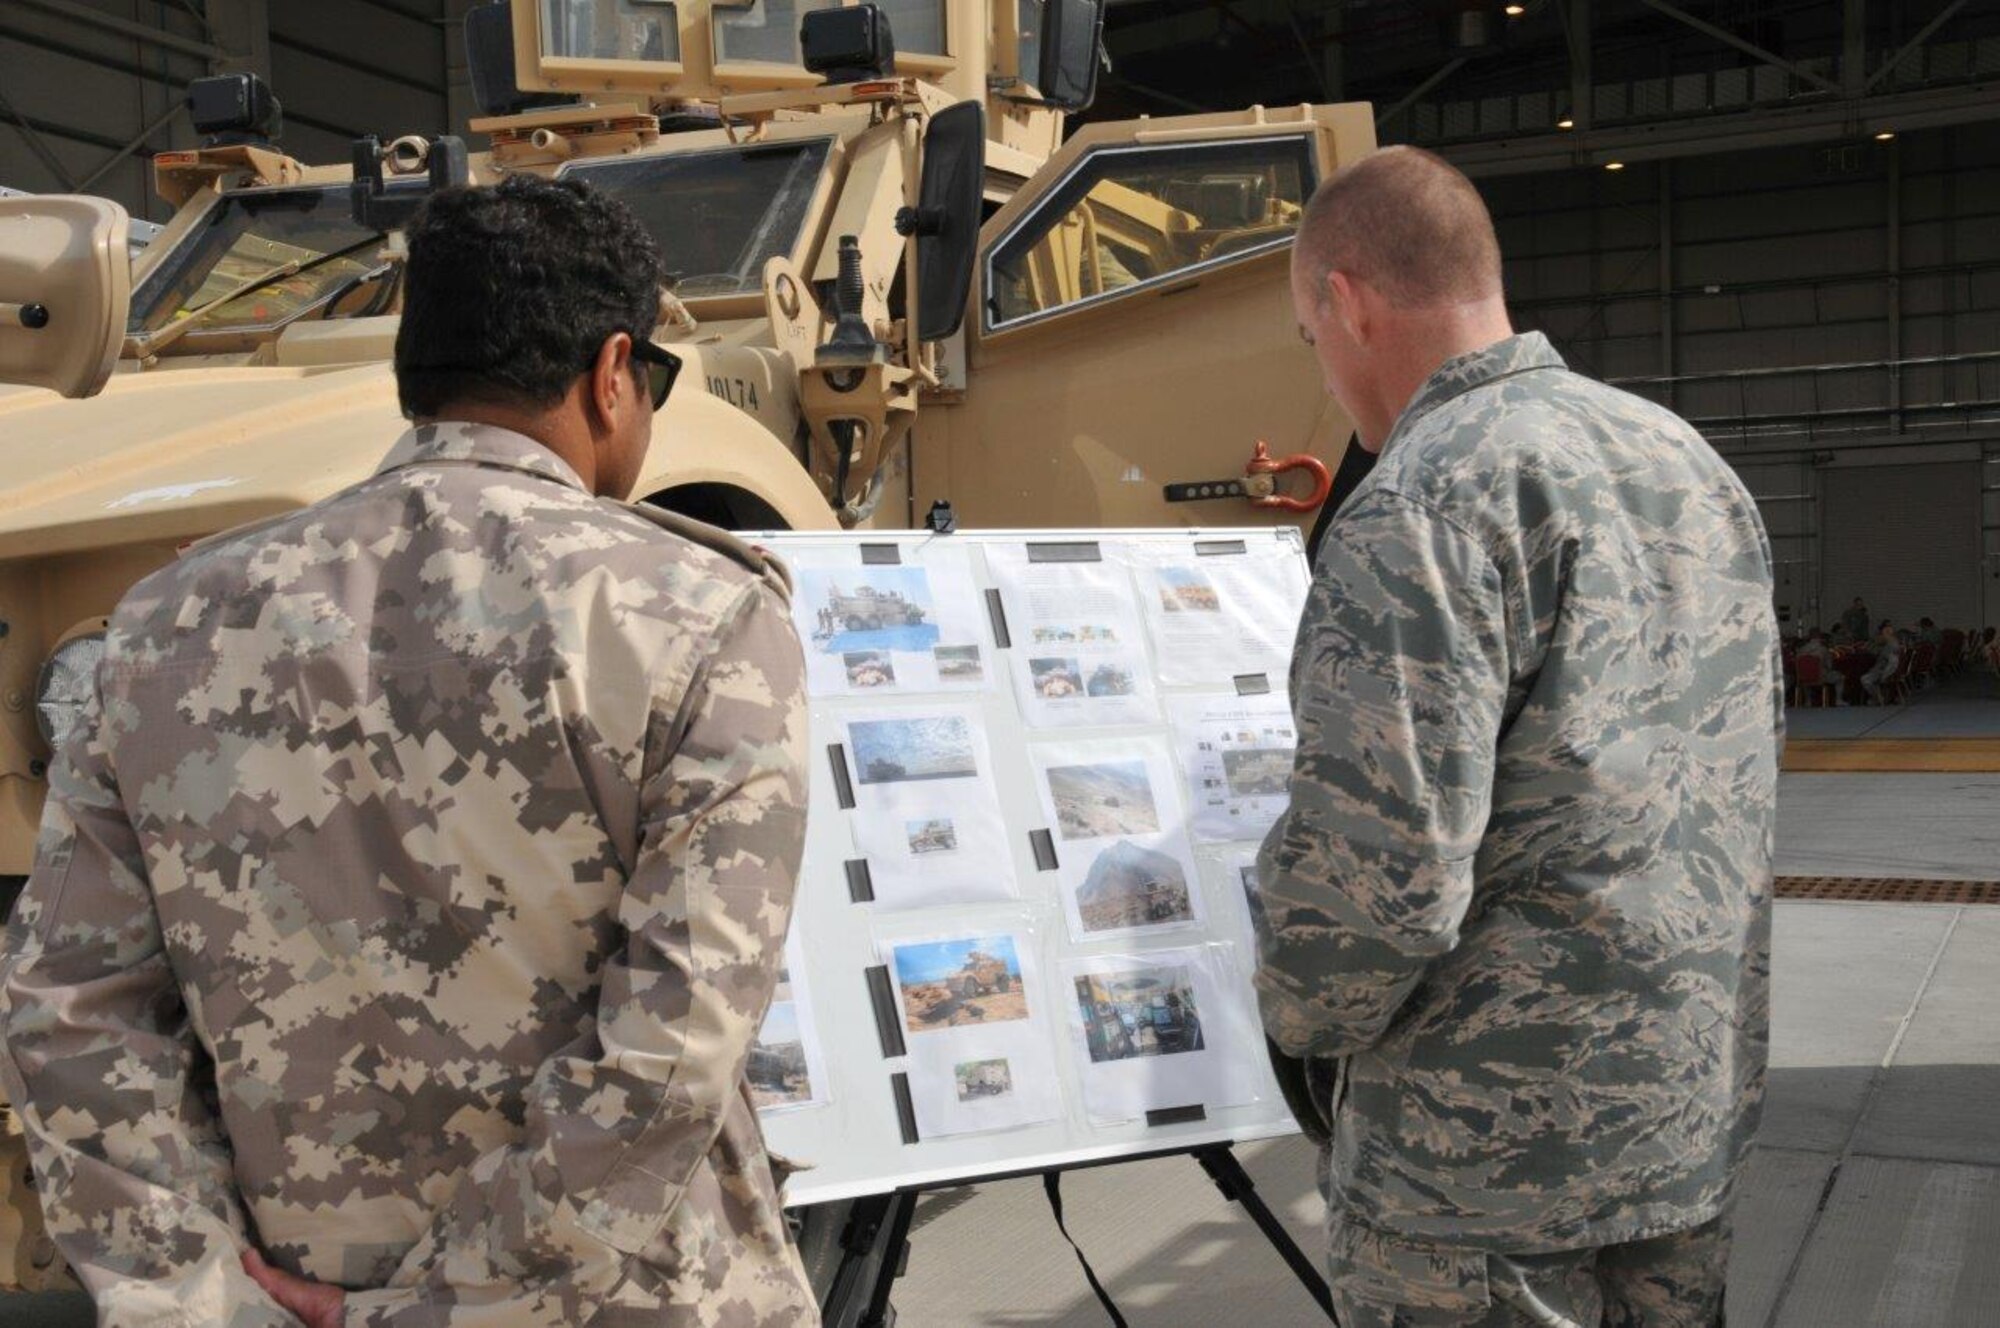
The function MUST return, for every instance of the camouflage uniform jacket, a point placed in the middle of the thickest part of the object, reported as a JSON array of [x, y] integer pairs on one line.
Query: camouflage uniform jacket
[[1524, 881], [408, 903]]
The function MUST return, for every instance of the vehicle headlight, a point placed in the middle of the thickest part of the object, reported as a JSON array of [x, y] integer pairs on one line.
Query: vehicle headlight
[[64, 686]]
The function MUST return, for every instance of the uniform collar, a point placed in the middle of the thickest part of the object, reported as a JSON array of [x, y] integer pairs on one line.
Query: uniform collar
[[478, 445], [1503, 359]]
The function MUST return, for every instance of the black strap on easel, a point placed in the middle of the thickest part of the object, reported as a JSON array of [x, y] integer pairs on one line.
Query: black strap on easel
[[1052, 1186]]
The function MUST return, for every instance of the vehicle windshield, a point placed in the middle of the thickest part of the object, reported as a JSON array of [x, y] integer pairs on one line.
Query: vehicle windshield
[[717, 216], [244, 236]]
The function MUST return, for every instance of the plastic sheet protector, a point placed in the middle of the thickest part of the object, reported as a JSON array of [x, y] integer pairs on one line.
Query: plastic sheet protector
[[1040, 765]]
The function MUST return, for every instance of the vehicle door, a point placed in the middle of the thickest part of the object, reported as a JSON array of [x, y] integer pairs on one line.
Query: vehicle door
[[1132, 328]]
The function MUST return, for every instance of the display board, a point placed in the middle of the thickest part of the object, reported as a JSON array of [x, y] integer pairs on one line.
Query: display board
[[1041, 766]]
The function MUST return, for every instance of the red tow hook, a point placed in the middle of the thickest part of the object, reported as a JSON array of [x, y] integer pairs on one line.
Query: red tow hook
[[1263, 463]]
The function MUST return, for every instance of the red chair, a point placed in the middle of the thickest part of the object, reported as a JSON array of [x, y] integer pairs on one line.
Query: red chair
[[1923, 664], [1951, 654], [1896, 687], [1812, 686]]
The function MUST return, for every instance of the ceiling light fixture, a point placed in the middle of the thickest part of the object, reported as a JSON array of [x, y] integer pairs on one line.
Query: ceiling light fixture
[[1885, 136], [1565, 123], [1515, 11], [1614, 165]]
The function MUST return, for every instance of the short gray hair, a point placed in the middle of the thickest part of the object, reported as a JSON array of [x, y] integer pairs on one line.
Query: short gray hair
[[1408, 223]]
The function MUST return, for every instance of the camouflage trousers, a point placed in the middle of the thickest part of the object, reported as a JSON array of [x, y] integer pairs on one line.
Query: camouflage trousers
[[1672, 1281]]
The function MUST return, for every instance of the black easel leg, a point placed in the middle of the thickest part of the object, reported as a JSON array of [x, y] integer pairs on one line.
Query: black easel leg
[[1236, 1186], [864, 1224], [902, 1212]]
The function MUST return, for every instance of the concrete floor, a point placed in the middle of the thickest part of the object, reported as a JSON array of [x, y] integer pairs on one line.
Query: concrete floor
[[1873, 1200]]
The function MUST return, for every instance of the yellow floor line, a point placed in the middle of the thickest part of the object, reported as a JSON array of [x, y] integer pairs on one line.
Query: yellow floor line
[[1892, 755]]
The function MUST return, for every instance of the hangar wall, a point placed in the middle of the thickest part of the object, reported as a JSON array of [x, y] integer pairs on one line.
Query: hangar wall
[[83, 80], [1810, 308]]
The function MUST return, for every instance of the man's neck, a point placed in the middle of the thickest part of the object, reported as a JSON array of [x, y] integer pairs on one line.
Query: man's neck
[[1424, 341], [554, 429]]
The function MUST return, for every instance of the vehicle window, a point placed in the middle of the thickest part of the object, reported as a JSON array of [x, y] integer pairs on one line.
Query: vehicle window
[[917, 25], [1131, 217], [764, 30], [1028, 17], [611, 29], [718, 216], [244, 236]]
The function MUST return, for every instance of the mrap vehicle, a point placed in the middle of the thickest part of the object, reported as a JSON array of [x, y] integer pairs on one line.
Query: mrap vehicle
[[897, 282]]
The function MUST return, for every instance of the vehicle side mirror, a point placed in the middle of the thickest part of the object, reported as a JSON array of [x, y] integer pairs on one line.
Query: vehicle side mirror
[[1072, 33], [946, 218], [65, 291]]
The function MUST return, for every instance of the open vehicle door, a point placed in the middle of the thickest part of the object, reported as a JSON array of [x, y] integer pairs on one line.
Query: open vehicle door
[[1133, 330]]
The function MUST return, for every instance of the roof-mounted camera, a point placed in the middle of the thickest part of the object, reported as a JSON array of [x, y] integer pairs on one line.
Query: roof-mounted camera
[[231, 109], [848, 45]]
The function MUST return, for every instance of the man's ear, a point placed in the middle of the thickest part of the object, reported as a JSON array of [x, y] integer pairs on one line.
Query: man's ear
[[611, 378]]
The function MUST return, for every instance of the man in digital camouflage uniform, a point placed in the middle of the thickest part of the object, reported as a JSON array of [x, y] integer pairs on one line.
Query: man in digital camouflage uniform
[[1520, 904], [408, 903]]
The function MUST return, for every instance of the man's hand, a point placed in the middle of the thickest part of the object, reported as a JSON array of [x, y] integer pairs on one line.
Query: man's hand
[[319, 1305]]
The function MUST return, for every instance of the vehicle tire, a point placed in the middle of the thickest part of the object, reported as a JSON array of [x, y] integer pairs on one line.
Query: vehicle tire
[[969, 988], [1000, 984]]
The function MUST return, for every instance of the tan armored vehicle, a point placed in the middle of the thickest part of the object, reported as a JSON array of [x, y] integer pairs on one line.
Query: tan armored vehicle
[[869, 609], [897, 283], [982, 973]]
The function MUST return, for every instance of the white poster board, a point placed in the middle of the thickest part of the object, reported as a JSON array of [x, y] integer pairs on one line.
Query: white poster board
[[1021, 938]]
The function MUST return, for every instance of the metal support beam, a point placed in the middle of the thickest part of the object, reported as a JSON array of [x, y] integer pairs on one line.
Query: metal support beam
[[1666, 186], [1576, 31], [1895, 292], [1915, 43], [1708, 135], [244, 26], [38, 145], [1751, 49], [1416, 94], [1854, 47], [110, 163], [125, 27]]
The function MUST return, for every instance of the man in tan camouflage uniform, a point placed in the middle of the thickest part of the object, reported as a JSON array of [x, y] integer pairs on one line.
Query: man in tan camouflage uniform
[[408, 903], [1522, 893]]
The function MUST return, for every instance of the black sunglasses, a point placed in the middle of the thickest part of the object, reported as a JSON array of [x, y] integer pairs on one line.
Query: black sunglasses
[[662, 368]]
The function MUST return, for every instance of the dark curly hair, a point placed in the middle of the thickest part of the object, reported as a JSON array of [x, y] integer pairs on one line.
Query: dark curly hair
[[510, 291]]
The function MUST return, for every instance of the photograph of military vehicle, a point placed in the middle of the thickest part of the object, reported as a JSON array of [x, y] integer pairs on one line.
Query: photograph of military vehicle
[[1131, 886], [868, 609], [979, 1079], [945, 984], [1101, 800]]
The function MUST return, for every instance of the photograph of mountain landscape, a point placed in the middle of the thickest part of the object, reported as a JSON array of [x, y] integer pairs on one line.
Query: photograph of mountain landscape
[[1102, 800]]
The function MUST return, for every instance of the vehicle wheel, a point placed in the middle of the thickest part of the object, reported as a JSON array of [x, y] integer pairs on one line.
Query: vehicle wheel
[[1000, 983], [969, 988]]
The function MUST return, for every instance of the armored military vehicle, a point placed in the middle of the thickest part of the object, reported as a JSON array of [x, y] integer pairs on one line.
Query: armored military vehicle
[[898, 282], [982, 973], [868, 609]]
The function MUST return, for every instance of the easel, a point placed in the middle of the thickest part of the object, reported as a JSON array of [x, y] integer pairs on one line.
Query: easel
[[894, 1212]]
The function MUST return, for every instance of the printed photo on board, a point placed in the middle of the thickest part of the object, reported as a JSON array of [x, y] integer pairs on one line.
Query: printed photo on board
[[934, 834], [974, 980], [777, 1065], [1102, 800], [958, 664], [1110, 679], [1056, 678], [1130, 886], [1185, 590], [868, 608], [983, 1079], [1141, 1012], [896, 751], [869, 668], [1258, 772]]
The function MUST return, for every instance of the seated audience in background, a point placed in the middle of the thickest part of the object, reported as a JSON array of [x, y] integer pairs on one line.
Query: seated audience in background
[[1888, 653], [1855, 620], [1815, 649], [1929, 633], [1989, 650]]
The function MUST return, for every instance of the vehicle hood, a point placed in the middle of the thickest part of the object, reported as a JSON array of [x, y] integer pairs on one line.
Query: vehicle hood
[[180, 453]]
